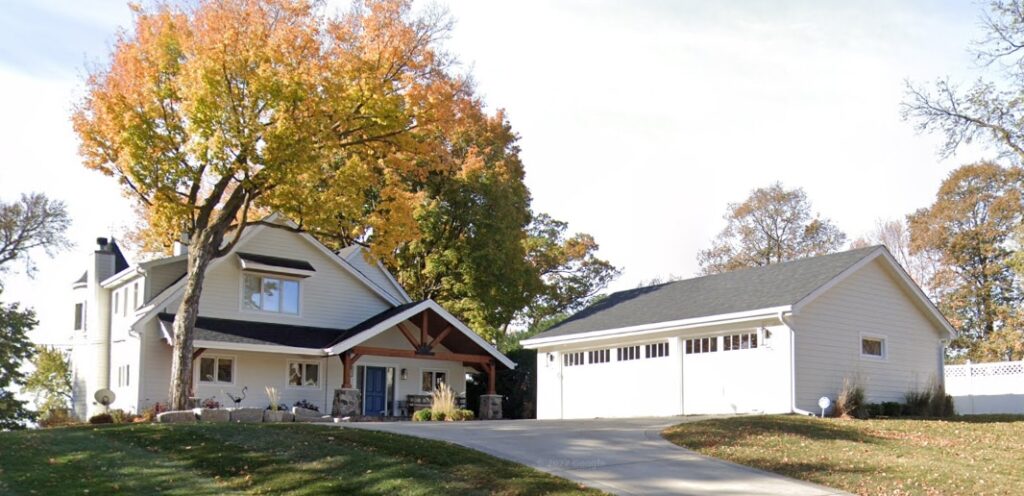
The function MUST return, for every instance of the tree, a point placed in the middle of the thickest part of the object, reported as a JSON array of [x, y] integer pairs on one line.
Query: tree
[[921, 265], [15, 349], [210, 112], [33, 222], [989, 110], [772, 225], [969, 228], [50, 382]]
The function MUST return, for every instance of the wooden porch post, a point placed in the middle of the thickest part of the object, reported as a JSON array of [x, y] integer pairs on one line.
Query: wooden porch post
[[346, 370], [491, 372], [423, 329]]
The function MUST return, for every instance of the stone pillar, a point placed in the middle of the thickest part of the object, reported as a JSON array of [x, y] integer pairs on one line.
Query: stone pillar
[[346, 402], [490, 407]]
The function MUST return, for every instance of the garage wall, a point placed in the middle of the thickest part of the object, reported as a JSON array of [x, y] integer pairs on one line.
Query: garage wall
[[828, 340]]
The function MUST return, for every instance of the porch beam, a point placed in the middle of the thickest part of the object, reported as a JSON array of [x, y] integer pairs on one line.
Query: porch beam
[[196, 352], [437, 339], [451, 357], [348, 359], [423, 328], [408, 335]]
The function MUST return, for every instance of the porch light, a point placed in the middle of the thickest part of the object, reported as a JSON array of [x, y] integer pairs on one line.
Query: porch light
[[404, 374]]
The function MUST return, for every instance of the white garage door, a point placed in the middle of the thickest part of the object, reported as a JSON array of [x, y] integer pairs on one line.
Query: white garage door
[[627, 384], [723, 374]]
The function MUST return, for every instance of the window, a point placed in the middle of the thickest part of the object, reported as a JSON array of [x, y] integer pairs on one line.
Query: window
[[117, 302], [217, 370], [124, 308], [270, 294], [656, 350], [79, 316], [745, 341], [628, 353], [572, 359], [304, 374], [872, 347], [599, 356], [432, 379], [701, 345], [135, 295], [123, 376]]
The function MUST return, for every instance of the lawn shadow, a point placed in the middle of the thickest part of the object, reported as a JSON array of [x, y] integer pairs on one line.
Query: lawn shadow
[[734, 430]]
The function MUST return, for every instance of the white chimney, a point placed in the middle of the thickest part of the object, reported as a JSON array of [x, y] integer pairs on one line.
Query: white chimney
[[180, 247]]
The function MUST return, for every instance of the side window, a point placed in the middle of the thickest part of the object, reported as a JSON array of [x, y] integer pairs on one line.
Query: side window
[[79, 316], [216, 370]]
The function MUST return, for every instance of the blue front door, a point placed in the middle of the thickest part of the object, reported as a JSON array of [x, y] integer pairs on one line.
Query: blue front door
[[375, 391]]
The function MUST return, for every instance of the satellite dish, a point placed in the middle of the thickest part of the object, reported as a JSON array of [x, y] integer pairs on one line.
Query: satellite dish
[[104, 397]]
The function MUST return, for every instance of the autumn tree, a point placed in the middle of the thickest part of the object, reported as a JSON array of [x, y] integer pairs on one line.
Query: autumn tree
[[969, 227], [207, 112], [772, 225], [15, 349]]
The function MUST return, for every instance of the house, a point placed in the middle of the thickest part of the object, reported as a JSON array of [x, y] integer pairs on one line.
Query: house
[[772, 339], [328, 328]]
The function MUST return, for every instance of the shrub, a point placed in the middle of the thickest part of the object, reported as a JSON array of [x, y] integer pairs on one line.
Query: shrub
[[149, 414], [438, 416], [422, 415], [916, 403], [307, 405], [940, 404], [210, 403], [57, 417], [443, 401], [850, 401], [274, 398], [874, 410], [280, 406], [891, 409], [462, 415], [122, 417], [101, 418]]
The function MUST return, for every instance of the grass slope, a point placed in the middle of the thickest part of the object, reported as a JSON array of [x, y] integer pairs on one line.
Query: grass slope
[[211, 459], [968, 455]]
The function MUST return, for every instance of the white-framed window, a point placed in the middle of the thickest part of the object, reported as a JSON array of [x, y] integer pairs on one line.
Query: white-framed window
[[135, 296], [873, 347], [270, 294], [573, 359], [304, 375], [117, 302], [217, 369], [599, 356], [743, 341], [656, 350], [627, 353], [432, 379], [124, 308], [79, 316], [701, 345]]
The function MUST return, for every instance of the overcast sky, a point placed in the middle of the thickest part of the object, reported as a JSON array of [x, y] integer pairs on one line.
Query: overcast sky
[[639, 121]]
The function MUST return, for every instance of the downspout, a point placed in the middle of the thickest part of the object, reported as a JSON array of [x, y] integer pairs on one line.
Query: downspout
[[792, 365]]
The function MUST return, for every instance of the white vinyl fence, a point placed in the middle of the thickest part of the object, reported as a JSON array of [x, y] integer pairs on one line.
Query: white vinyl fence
[[986, 387]]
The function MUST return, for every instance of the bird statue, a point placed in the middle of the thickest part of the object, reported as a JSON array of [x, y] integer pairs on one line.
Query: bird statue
[[236, 399]]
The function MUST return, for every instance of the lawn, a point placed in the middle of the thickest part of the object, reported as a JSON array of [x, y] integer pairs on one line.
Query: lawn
[[965, 455], [253, 459]]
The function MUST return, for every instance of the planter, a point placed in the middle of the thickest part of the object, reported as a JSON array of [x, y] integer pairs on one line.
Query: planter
[[277, 416]]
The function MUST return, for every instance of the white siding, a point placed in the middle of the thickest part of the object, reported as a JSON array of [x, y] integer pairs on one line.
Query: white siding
[[828, 340], [161, 277], [356, 256], [331, 297]]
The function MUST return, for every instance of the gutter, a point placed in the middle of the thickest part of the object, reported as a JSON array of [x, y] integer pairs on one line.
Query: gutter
[[792, 365]]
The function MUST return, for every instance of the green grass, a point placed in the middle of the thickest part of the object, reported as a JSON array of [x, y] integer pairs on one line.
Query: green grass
[[206, 459], [965, 455]]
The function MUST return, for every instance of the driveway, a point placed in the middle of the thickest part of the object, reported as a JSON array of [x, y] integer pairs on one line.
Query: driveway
[[620, 456]]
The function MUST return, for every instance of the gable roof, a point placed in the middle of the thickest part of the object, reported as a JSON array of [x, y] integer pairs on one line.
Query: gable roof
[[770, 288]]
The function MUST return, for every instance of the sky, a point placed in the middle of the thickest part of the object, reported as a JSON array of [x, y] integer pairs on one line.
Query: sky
[[639, 121]]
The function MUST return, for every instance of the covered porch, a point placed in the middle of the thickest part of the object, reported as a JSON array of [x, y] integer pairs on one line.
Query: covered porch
[[391, 364]]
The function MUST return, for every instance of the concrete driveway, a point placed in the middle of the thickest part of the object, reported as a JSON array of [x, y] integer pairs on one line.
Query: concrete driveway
[[620, 456]]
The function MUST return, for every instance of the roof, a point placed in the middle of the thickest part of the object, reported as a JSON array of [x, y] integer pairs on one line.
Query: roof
[[743, 290], [262, 333], [120, 263], [277, 261]]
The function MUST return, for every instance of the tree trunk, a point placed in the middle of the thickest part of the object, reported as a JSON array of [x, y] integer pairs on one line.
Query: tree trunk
[[200, 253]]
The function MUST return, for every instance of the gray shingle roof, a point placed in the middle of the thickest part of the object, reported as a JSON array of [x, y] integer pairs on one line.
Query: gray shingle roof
[[738, 291]]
